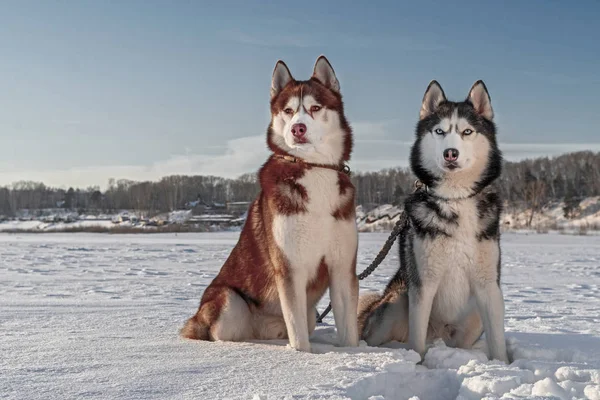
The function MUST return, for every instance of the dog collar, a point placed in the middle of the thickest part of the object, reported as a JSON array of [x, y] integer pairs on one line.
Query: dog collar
[[339, 168], [420, 186]]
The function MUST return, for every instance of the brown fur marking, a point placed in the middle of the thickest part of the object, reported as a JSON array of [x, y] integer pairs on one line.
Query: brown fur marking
[[256, 263], [347, 209], [323, 96]]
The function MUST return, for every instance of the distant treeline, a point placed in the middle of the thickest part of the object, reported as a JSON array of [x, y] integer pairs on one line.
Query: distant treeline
[[528, 183]]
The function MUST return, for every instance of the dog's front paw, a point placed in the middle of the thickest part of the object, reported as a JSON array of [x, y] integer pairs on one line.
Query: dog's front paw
[[502, 357], [348, 342], [304, 347], [421, 352], [422, 355]]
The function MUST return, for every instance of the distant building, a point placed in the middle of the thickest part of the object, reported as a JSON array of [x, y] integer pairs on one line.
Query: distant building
[[200, 207], [193, 204], [238, 207]]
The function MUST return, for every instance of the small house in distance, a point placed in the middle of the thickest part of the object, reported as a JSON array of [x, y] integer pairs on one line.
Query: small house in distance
[[199, 207], [237, 207]]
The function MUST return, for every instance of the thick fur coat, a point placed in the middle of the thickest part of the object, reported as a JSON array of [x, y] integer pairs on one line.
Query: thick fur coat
[[300, 236], [448, 284]]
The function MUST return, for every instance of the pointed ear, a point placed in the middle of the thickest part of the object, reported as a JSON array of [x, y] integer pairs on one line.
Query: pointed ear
[[434, 95], [480, 98], [325, 74], [281, 77]]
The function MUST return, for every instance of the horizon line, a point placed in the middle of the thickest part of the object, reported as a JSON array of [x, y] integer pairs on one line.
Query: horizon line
[[399, 167]]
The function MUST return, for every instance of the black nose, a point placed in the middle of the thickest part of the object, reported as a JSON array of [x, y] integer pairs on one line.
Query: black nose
[[450, 154]]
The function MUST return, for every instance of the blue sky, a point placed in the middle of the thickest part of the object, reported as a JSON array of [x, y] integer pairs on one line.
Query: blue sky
[[138, 89]]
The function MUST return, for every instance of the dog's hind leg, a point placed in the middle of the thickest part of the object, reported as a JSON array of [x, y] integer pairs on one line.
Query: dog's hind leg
[[467, 331], [235, 321], [225, 316], [269, 327], [366, 304], [195, 328], [198, 327], [386, 320]]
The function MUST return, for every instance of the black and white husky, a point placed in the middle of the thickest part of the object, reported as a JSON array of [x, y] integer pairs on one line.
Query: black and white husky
[[448, 284]]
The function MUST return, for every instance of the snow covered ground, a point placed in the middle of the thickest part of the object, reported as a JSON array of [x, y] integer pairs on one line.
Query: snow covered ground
[[37, 225], [96, 316], [585, 218]]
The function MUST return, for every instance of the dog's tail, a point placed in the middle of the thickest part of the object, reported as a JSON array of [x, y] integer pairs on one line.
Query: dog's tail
[[366, 304], [195, 329], [384, 317]]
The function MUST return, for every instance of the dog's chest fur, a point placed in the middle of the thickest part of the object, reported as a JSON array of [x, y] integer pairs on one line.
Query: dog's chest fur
[[449, 241], [319, 231]]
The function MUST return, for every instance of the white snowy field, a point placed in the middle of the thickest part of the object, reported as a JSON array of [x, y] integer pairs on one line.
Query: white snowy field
[[97, 316]]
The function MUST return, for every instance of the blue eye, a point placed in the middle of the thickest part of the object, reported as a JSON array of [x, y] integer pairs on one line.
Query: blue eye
[[467, 131], [439, 131]]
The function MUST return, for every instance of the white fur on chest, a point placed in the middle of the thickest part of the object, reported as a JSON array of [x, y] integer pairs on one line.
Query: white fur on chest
[[323, 191], [459, 249], [306, 238], [452, 261]]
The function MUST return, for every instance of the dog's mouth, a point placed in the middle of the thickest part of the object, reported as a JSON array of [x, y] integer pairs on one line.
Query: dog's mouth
[[301, 140], [451, 166]]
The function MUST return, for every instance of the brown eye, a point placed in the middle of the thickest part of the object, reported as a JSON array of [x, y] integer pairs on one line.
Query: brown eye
[[288, 111], [314, 109], [467, 131]]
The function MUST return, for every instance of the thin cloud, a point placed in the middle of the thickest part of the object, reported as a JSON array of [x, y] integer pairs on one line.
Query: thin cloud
[[247, 154], [367, 130], [241, 155]]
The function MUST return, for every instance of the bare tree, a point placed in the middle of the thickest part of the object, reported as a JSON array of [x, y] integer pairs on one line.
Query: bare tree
[[525, 184], [535, 192]]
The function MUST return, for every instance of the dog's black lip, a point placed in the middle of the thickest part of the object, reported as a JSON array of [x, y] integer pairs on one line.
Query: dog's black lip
[[301, 141], [451, 166]]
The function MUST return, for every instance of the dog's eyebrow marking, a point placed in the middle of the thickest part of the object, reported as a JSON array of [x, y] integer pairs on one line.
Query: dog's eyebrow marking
[[308, 112]]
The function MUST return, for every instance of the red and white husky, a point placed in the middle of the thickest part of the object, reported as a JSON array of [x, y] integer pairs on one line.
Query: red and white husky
[[300, 237]]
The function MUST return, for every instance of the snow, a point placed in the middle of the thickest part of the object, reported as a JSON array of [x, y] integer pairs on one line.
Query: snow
[[11, 226], [379, 219], [70, 222], [550, 218], [180, 216], [96, 316], [382, 218]]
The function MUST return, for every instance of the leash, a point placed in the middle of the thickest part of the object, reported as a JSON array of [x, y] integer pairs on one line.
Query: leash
[[398, 227]]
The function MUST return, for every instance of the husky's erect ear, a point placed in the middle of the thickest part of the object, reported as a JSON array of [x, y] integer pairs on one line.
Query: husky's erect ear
[[281, 77], [434, 95], [480, 98], [325, 74]]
